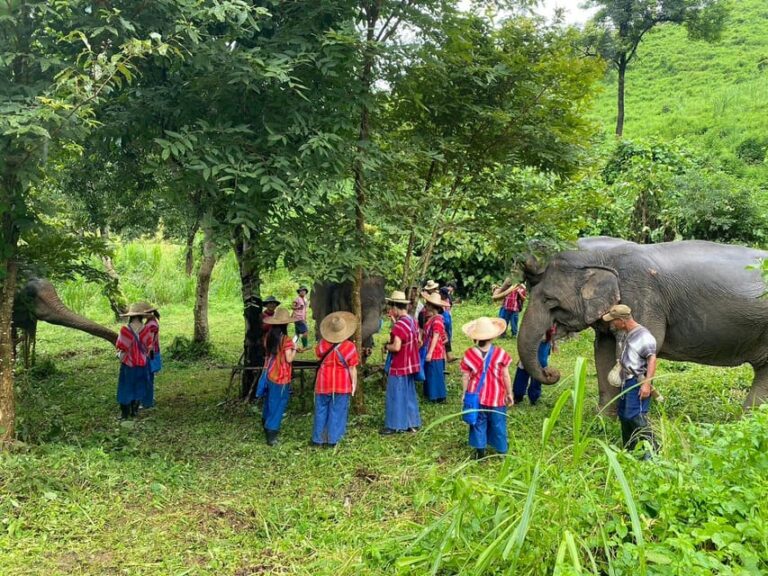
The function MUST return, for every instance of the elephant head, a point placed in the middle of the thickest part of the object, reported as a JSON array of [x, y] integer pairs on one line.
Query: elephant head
[[573, 292]]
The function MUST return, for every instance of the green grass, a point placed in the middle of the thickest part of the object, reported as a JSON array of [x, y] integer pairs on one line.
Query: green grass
[[712, 95], [192, 488]]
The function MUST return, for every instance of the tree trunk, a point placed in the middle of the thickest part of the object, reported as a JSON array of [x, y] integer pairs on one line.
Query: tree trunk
[[203, 285], [7, 399], [250, 282], [117, 300], [620, 96], [189, 255]]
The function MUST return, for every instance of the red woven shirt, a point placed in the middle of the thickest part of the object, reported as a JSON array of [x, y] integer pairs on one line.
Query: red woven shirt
[[150, 335], [332, 376], [493, 392], [406, 361], [126, 342], [514, 300], [436, 325], [281, 372]]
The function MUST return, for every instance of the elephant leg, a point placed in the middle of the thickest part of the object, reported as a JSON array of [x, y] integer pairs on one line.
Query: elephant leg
[[605, 359], [759, 391]]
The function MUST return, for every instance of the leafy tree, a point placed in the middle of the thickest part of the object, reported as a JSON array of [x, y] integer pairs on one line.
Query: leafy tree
[[619, 26], [57, 60]]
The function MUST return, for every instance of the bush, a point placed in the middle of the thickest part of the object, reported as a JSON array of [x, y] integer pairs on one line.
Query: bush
[[752, 150], [183, 349]]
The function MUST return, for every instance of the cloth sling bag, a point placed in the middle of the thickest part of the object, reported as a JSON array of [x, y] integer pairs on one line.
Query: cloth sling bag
[[261, 386], [614, 376], [334, 348], [472, 399]]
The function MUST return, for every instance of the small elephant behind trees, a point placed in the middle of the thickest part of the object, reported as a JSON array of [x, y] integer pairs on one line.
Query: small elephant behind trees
[[38, 300], [699, 299]]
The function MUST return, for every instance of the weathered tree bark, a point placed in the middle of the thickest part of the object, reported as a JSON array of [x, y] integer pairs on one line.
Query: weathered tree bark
[[117, 300], [201, 333], [622, 66], [189, 255], [9, 236], [250, 282]]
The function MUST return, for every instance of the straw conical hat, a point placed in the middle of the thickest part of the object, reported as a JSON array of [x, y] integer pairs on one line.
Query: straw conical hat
[[139, 309], [398, 297], [485, 328], [281, 316], [338, 326], [433, 299]]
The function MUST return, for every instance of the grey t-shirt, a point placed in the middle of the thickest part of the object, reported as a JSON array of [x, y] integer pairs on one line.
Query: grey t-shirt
[[636, 347]]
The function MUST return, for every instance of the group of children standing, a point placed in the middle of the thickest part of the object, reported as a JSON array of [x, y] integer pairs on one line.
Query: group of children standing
[[418, 348]]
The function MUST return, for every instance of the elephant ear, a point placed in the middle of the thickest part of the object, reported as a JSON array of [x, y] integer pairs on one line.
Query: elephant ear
[[599, 291]]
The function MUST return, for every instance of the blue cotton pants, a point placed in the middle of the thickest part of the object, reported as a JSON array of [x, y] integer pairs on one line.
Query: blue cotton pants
[[401, 405], [275, 403], [434, 385], [331, 411], [490, 428]]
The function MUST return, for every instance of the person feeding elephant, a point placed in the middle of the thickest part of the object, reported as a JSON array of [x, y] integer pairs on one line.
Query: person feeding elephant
[[133, 379], [638, 367], [401, 405]]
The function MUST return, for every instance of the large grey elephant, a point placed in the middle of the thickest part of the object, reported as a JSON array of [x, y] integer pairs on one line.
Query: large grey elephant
[[699, 300], [327, 297], [38, 300]]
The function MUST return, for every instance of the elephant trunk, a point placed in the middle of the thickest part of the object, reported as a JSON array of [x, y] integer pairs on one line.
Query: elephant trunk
[[50, 308], [536, 322]]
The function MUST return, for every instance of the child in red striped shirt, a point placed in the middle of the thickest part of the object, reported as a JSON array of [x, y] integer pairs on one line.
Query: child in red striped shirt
[[281, 351], [336, 378], [491, 425], [133, 380]]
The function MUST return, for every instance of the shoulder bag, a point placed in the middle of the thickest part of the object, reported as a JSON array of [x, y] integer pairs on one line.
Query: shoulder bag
[[472, 399]]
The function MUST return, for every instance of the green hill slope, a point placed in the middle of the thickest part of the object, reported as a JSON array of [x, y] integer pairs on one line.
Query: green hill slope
[[713, 95]]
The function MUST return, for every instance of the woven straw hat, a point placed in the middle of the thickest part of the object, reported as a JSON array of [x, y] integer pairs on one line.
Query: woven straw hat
[[484, 328], [431, 285], [281, 316], [139, 309], [433, 299], [397, 297], [338, 326]]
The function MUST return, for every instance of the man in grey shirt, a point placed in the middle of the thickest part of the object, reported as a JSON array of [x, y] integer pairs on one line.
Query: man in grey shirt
[[638, 361]]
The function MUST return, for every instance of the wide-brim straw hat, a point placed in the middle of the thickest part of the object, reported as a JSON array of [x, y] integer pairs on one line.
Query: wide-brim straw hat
[[431, 285], [281, 316], [338, 326], [139, 309], [433, 299], [484, 328], [397, 297]]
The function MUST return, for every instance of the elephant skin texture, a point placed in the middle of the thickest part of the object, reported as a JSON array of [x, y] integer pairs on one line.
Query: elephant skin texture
[[328, 297], [38, 300], [699, 300]]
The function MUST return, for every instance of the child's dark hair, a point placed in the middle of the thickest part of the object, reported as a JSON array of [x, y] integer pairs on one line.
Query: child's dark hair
[[435, 307], [132, 318], [275, 337], [399, 305]]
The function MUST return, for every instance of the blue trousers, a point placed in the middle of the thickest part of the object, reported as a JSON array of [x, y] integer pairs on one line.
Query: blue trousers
[[434, 385], [132, 383], [275, 403], [629, 404], [149, 395], [331, 412], [490, 428], [511, 319], [524, 384], [401, 406]]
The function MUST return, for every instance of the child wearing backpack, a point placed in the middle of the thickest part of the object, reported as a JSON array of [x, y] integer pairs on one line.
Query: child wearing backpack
[[487, 386]]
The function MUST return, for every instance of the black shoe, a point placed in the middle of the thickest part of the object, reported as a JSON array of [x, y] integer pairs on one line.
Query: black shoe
[[412, 429], [314, 444], [387, 431], [331, 446], [479, 453], [272, 437]]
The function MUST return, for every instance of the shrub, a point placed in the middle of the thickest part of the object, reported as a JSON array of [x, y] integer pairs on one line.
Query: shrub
[[183, 349], [752, 150]]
